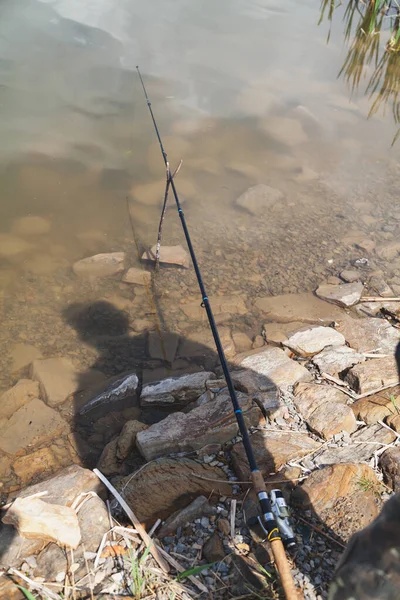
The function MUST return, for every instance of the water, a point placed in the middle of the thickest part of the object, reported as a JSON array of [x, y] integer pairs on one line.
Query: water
[[245, 93]]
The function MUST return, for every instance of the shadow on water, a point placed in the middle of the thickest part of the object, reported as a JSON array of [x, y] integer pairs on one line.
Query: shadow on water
[[372, 33]]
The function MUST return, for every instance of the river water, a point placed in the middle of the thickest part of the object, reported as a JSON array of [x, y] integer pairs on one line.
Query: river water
[[245, 92]]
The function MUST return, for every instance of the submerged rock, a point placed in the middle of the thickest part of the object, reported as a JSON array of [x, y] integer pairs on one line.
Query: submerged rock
[[137, 276], [346, 294], [117, 391], [169, 255], [305, 308], [175, 390], [100, 265], [12, 246], [23, 392], [22, 355], [31, 225], [350, 276], [311, 340], [259, 198]]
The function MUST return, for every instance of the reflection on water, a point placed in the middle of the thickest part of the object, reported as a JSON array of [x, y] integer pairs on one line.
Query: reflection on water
[[372, 33]]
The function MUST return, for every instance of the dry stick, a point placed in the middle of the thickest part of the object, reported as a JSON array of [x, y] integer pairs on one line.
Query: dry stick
[[164, 208], [244, 482], [35, 585], [379, 299], [140, 529], [181, 569], [233, 517]]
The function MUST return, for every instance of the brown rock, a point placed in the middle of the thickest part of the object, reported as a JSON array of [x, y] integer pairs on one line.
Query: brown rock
[[213, 550], [94, 523], [100, 265], [196, 509], [310, 396], [43, 463], [258, 342], [373, 408], [169, 255], [277, 333], [59, 379], [109, 464], [272, 450], [9, 590], [200, 343], [388, 251], [224, 526], [346, 294], [127, 438], [343, 496], [368, 334], [137, 276], [5, 466], [32, 425], [390, 465], [394, 421], [350, 276], [181, 481], [242, 341], [162, 345], [213, 422], [12, 246], [36, 519], [23, 392], [22, 355], [373, 375], [374, 436], [259, 198], [31, 225], [51, 561], [305, 308], [232, 305]]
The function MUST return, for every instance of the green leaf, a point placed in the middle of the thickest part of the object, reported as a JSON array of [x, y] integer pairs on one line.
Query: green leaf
[[26, 593], [193, 571]]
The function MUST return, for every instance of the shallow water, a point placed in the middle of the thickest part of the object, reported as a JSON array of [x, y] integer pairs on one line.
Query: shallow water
[[245, 93]]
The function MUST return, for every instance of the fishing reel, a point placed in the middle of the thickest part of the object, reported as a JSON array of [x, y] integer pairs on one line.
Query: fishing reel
[[280, 513]]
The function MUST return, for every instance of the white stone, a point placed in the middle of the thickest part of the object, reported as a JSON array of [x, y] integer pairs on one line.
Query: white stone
[[100, 265], [171, 255], [260, 198], [274, 364], [175, 390], [346, 294], [34, 518], [311, 340], [335, 359]]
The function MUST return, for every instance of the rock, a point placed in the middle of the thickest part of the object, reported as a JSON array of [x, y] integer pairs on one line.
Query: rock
[[224, 526], [36, 519], [137, 276], [272, 450], [373, 408], [141, 325], [373, 374], [274, 364], [22, 355], [242, 341], [389, 462], [213, 422], [94, 523], [42, 463], [379, 286], [51, 560], [169, 255], [175, 391], [310, 396], [5, 467], [9, 590], [232, 305], [162, 345], [346, 294], [59, 379], [343, 496], [311, 340], [260, 198], [31, 225], [152, 194], [328, 420], [376, 309], [116, 393], [100, 265], [305, 308], [388, 251], [350, 276], [12, 246], [23, 392], [285, 130], [213, 550], [277, 333], [109, 464], [394, 421], [369, 334], [64, 487], [196, 509], [360, 240], [251, 382], [200, 344], [374, 436], [32, 425], [127, 438], [258, 342], [181, 481], [333, 360]]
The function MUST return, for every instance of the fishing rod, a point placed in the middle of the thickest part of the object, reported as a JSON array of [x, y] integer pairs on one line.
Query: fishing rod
[[271, 515]]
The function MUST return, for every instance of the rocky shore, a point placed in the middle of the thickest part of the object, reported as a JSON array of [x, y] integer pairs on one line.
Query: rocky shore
[[318, 385]]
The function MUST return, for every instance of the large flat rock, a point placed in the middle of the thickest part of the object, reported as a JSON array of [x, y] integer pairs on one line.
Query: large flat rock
[[232, 305], [274, 364], [305, 308], [100, 265], [272, 449], [369, 334], [32, 425], [374, 408], [345, 294], [260, 198], [333, 360], [20, 394], [175, 391], [169, 255], [167, 485], [311, 340], [210, 423]]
